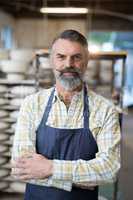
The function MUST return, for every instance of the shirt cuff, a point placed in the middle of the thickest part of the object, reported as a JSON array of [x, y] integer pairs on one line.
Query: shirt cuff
[[62, 170]]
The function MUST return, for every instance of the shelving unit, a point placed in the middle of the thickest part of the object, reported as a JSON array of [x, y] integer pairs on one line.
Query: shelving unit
[[114, 56], [7, 184]]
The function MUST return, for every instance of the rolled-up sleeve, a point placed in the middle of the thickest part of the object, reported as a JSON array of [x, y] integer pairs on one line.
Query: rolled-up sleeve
[[24, 138]]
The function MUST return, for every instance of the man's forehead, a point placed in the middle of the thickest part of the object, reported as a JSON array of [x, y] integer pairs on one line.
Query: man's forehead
[[62, 45]]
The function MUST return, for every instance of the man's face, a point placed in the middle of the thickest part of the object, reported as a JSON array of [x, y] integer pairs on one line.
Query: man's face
[[69, 61]]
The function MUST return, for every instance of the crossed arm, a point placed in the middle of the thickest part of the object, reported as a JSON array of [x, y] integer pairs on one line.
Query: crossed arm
[[28, 165]]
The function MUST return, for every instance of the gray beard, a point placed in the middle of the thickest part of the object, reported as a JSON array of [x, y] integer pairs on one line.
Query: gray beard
[[70, 83]]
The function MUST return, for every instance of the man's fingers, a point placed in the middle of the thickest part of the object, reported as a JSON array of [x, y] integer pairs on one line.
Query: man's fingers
[[24, 177], [21, 174], [18, 171], [18, 165]]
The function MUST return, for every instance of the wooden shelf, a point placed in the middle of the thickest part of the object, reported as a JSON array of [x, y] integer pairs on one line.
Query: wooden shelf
[[23, 82], [111, 55]]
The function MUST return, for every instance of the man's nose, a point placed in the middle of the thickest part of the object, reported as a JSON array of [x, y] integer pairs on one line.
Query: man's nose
[[69, 62]]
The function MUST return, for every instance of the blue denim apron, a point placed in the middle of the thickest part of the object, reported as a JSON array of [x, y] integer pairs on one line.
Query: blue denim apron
[[64, 144]]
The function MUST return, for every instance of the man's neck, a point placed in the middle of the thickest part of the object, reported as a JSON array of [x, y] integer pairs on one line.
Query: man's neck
[[67, 95]]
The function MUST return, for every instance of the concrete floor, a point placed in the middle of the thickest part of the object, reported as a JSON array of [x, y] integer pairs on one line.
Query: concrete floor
[[126, 178]]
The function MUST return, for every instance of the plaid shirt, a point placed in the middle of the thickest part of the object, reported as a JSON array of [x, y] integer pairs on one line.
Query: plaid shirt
[[104, 125]]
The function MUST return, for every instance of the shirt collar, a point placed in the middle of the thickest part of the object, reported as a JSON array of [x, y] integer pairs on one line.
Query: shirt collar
[[76, 97]]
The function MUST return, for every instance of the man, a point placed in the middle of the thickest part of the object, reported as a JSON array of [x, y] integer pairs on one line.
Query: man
[[67, 137]]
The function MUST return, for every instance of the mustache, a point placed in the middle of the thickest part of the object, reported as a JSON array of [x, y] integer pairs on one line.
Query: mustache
[[69, 69]]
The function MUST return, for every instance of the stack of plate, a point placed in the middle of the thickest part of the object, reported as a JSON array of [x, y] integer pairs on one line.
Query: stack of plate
[[3, 114], [3, 137], [5, 123], [4, 185], [3, 101], [3, 90], [4, 149], [22, 91], [16, 102], [11, 97], [14, 69], [4, 173], [18, 93], [17, 187], [18, 65]]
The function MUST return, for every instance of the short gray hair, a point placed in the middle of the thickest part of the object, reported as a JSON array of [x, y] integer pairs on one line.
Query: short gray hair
[[72, 35]]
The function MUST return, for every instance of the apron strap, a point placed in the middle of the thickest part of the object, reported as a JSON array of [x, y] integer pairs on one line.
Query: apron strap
[[48, 107], [86, 109]]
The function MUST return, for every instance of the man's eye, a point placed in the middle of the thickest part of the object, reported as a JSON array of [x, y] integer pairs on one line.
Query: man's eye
[[61, 57], [77, 57]]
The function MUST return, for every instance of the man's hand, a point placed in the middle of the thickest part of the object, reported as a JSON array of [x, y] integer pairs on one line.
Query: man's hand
[[35, 166]]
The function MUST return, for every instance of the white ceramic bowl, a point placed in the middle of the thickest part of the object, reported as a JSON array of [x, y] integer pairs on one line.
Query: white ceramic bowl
[[18, 187], [4, 172], [3, 137], [3, 185], [3, 101], [16, 102], [23, 90], [8, 120], [3, 148], [15, 77], [3, 113], [22, 54], [14, 66], [3, 125], [3, 160], [3, 89], [7, 166]]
